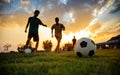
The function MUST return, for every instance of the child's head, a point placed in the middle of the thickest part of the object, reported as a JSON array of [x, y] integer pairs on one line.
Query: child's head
[[56, 19], [36, 13]]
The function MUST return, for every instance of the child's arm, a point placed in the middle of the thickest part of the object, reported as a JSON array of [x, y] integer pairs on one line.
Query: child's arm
[[52, 31], [41, 23], [27, 25], [63, 28], [45, 25]]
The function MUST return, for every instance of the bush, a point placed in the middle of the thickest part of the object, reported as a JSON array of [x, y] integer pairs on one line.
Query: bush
[[68, 47], [47, 45]]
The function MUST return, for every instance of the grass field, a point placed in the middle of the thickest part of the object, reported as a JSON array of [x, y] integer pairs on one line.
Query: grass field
[[105, 62]]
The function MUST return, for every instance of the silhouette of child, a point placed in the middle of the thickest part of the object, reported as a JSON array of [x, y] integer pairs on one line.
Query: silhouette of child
[[74, 41], [58, 32], [33, 23]]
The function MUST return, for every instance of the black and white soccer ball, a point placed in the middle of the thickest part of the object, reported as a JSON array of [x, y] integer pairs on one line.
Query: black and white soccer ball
[[27, 50], [85, 47]]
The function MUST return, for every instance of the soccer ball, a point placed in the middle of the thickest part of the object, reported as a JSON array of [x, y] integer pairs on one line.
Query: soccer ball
[[27, 50], [85, 47]]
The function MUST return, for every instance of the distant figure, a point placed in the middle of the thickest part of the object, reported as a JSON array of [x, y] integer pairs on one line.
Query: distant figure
[[33, 23], [58, 32], [74, 41]]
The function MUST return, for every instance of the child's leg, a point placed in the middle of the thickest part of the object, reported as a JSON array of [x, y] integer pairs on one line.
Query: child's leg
[[58, 44], [28, 41], [37, 43]]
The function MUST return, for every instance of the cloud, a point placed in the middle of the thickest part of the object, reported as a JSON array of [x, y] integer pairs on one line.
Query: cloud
[[100, 2], [117, 8], [95, 27], [106, 32], [25, 3], [115, 29], [68, 18], [98, 13], [63, 2], [26, 6], [78, 16], [11, 20], [8, 1], [6, 21]]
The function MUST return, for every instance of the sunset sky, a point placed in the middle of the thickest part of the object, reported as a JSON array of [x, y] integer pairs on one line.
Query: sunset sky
[[96, 19]]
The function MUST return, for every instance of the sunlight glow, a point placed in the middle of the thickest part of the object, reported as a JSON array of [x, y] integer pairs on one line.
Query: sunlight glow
[[83, 33], [78, 35], [46, 32]]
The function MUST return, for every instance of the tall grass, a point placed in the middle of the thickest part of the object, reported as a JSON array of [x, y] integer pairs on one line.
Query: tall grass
[[105, 62]]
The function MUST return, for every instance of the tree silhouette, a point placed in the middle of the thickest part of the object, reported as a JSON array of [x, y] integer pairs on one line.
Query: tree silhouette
[[7, 46]]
